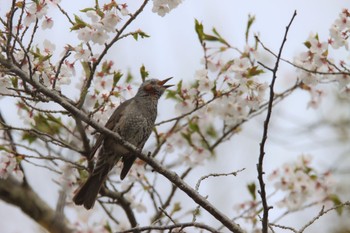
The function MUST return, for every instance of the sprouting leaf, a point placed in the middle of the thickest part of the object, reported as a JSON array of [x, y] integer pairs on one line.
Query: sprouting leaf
[[193, 126], [129, 77], [29, 137], [220, 38], [139, 33], [199, 30], [307, 44], [177, 207], [336, 201], [47, 124], [144, 73], [116, 77], [14, 82], [107, 227], [79, 23], [251, 19], [87, 9], [253, 71], [170, 94], [252, 190], [211, 131]]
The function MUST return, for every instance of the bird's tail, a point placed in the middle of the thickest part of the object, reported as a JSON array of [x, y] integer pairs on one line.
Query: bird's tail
[[86, 195]]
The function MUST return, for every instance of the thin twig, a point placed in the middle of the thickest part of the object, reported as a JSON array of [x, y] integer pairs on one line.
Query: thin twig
[[262, 192], [172, 227]]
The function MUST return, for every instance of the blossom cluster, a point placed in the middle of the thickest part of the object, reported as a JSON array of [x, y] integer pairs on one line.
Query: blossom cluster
[[224, 92], [315, 65], [37, 10], [162, 7], [340, 31], [301, 184], [101, 24], [9, 166]]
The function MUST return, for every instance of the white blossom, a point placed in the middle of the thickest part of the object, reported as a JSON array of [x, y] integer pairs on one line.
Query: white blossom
[[47, 23], [110, 20], [162, 7]]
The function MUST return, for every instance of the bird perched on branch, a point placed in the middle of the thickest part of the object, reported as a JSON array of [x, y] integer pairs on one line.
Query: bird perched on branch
[[133, 120]]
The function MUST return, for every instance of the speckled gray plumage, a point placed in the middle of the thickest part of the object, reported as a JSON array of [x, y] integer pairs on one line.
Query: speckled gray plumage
[[133, 120]]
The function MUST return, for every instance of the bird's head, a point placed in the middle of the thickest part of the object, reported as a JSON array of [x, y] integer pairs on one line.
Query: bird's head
[[153, 87]]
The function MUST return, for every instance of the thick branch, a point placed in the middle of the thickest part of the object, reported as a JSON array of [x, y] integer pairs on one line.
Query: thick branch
[[15, 193]]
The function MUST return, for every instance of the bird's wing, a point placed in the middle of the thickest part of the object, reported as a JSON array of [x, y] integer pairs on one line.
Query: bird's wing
[[113, 119]]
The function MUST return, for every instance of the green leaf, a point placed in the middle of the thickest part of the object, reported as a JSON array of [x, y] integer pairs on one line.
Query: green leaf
[[47, 124], [252, 190], [179, 87], [336, 201], [251, 20], [254, 71], [87, 9], [220, 38], [170, 94], [139, 33], [14, 82], [106, 67], [29, 137], [107, 227], [177, 207], [307, 44], [79, 23], [193, 126], [212, 132], [144, 73], [210, 37], [129, 77], [187, 137], [199, 30], [116, 77]]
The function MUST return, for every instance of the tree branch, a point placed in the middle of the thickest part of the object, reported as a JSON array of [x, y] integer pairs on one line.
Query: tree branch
[[262, 192], [173, 227], [15, 193]]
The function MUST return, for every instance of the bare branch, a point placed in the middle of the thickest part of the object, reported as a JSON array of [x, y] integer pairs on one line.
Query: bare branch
[[179, 226], [262, 192], [321, 213]]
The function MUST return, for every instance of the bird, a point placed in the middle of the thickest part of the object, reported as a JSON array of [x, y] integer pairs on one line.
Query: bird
[[134, 121]]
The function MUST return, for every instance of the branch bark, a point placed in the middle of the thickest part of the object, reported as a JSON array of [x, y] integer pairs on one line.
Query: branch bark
[[262, 192], [14, 192]]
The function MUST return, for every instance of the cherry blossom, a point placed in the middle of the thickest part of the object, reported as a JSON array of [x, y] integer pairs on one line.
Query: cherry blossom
[[124, 9], [204, 84], [162, 7], [47, 23], [9, 165], [301, 184], [49, 47], [81, 53], [340, 31], [110, 20]]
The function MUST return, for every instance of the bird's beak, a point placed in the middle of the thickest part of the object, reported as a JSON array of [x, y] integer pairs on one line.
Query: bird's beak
[[161, 83]]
